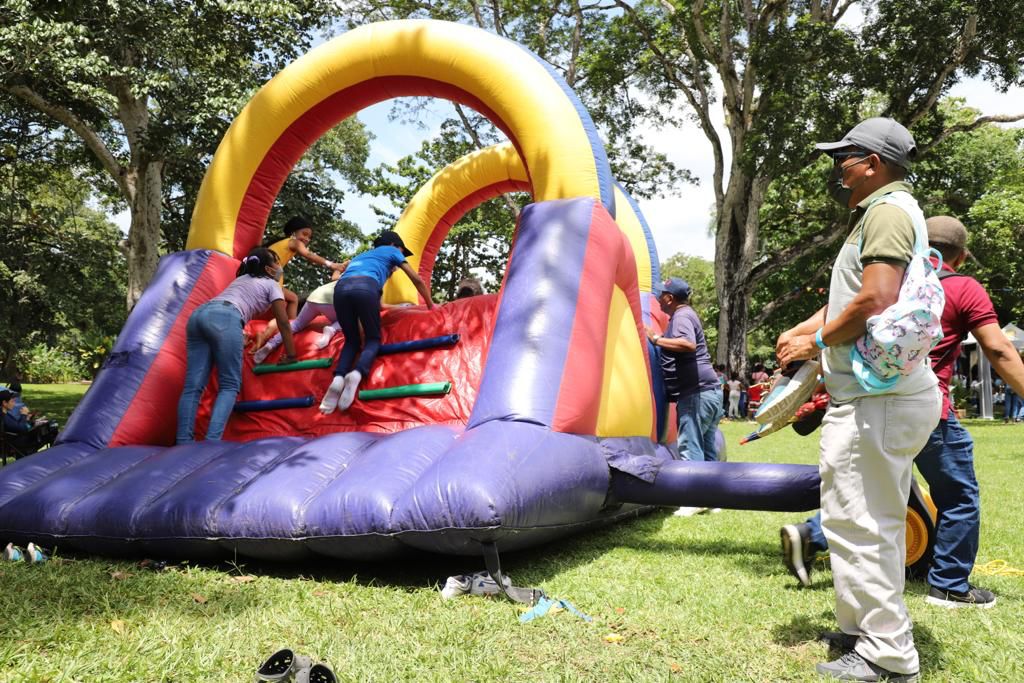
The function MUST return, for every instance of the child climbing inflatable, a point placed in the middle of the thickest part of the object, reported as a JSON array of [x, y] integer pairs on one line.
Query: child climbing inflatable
[[319, 302], [357, 303], [214, 335]]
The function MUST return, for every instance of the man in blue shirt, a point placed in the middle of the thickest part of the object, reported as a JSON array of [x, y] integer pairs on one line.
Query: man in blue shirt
[[690, 378]]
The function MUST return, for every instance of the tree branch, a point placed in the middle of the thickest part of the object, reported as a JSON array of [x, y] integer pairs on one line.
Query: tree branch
[[699, 100], [90, 137], [577, 39], [475, 136], [839, 9], [769, 265], [963, 47], [769, 309], [967, 127]]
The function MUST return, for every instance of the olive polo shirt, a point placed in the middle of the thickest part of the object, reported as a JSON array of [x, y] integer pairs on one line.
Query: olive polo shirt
[[883, 234]]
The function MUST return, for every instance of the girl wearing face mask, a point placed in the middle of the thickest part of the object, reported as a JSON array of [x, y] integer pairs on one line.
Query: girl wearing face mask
[[214, 337]]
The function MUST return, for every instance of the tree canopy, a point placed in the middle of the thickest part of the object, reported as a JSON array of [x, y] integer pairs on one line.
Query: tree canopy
[[787, 75], [147, 88]]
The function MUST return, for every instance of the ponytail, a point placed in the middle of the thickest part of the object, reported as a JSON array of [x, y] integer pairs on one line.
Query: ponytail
[[255, 264]]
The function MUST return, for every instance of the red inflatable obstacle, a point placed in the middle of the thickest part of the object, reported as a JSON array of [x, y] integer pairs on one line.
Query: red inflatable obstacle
[[459, 363]]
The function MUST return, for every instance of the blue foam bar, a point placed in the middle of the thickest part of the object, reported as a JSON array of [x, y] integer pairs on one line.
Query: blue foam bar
[[419, 344], [274, 404]]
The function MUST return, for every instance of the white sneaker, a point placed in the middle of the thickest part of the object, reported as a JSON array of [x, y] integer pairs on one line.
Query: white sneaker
[[330, 400], [348, 394], [688, 511], [261, 354], [455, 586], [325, 337]]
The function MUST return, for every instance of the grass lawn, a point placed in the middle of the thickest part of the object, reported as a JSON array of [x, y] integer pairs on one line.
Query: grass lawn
[[690, 599]]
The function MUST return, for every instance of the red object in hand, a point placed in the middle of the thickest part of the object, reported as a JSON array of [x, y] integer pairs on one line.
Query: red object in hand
[[818, 402]]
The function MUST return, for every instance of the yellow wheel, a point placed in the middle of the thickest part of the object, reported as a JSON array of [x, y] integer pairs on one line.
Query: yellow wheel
[[921, 514]]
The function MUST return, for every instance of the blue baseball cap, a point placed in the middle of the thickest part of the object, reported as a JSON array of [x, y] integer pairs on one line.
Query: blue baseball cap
[[676, 286]]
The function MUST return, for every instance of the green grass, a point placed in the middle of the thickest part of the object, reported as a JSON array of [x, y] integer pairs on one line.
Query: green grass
[[694, 599], [56, 401]]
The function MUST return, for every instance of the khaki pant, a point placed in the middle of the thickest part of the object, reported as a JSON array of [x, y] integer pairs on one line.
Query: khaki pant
[[867, 455]]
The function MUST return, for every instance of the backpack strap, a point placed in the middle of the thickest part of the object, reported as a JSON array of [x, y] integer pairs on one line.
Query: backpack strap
[[906, 201], [943, 274]]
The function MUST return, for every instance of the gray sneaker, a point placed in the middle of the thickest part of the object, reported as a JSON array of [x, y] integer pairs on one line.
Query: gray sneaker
[[853, 667], [796, 551]]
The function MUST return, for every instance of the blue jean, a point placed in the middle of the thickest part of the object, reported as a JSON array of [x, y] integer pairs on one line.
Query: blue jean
[[699, 413], [1013, 409], [213, 336], [357, 300], [947, 464]]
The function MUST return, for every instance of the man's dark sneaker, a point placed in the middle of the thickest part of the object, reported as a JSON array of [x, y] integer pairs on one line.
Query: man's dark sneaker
[[853, 667], [796, 551], [973, 597], [838, 640]]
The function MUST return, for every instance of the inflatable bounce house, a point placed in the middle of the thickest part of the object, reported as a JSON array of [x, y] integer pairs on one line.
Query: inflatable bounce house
[[493, 422]]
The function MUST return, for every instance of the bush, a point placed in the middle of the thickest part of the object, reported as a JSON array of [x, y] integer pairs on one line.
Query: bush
[[92, 350], [42, 364]]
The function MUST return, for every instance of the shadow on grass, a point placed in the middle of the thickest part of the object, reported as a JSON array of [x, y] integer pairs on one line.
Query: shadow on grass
[[533, 566], [802, 629]]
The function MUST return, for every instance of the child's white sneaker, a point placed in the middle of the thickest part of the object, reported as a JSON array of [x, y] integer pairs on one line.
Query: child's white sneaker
[[261, 354]]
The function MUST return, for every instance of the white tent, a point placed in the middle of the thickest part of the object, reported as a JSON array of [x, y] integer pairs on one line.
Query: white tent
[[976, 357], [1015, 335]]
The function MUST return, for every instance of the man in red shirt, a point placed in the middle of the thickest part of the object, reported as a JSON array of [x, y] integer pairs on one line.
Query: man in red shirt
[[947, 460]]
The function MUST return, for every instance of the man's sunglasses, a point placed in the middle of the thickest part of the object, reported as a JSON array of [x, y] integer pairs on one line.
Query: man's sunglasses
[[840, 157]]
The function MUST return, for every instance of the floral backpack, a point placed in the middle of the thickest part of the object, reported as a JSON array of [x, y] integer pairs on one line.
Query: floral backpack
[[899, 338]]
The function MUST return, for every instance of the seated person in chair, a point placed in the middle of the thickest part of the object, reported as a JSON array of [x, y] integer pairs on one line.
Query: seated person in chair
[[24, 435]]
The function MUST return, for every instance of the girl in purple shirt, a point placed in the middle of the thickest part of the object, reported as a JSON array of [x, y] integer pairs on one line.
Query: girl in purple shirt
[[214, 337]]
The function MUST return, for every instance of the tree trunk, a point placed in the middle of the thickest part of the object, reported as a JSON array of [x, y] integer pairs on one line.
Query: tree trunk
[[735, 253], [144, 234]]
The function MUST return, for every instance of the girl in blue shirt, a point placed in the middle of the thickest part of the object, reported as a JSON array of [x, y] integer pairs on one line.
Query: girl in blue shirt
[[357, 301]]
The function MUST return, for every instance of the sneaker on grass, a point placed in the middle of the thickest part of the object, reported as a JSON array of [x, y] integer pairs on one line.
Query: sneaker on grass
[[972, 597], [688, 511], [796, 551], [853, 667]]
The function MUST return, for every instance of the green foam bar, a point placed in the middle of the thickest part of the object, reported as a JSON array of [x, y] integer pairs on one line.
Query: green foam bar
[[428, 389], [297, 365]]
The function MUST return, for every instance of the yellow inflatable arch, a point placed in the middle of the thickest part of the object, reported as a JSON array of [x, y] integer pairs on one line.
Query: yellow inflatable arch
[[517, 91], [468, 182]]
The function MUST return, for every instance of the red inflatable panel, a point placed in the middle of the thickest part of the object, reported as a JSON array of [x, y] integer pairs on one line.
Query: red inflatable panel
[[461, 364]]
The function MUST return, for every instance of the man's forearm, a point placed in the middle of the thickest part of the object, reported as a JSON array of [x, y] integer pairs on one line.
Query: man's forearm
[[850, 324], [811, 325], [1001, 353]]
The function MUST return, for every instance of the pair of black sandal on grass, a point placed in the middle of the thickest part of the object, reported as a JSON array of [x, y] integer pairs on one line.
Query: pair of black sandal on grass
[[284, 666]]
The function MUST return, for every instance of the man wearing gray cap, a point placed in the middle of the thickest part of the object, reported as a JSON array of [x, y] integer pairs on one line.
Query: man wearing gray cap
[[947, 460], [869, 436]]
